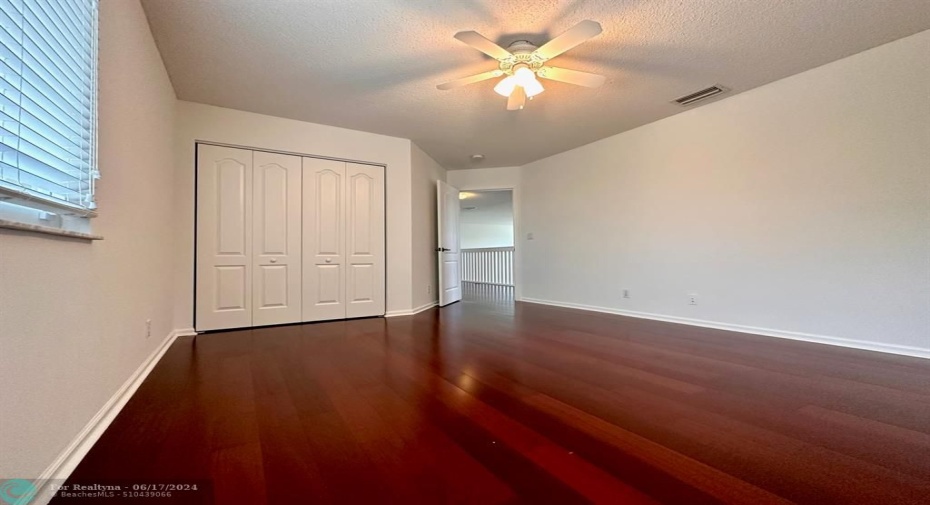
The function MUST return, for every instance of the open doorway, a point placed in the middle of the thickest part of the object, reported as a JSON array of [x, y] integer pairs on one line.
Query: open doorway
[[486, 230]]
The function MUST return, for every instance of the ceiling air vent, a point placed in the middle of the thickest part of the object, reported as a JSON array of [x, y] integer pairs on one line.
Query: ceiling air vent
[[700, 95]]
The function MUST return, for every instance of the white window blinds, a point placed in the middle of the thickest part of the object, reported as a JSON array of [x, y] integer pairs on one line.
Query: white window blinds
[[48, 102]]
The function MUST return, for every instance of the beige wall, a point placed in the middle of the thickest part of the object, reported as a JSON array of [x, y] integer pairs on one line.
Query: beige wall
[[799, 208], [72, 313], [425, 266], [217, 124], [485, 178]]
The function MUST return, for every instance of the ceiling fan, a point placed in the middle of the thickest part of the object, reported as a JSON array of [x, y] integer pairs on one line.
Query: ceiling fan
[[522, 62]]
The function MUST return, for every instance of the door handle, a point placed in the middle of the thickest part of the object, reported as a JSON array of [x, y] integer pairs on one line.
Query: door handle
[[442, 249], [329, 260], [274, 260]]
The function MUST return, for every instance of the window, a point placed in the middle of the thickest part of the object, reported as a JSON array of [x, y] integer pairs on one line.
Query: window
[[48, 104]]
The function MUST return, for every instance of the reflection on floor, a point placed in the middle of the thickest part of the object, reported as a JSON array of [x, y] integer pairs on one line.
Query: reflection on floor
[[500, 297]]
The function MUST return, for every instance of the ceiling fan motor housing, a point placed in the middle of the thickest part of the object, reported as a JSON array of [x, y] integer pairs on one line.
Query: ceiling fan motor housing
[[521, 53], [521, 46]]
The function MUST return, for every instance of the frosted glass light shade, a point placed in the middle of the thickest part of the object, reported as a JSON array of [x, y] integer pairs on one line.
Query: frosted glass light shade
[[505, 87], [533, 88]]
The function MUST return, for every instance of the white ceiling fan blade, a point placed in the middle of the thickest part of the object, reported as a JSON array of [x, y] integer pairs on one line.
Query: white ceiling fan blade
[[571, 76], [477, 41], [517, 99], [571, 38], [464, 81]]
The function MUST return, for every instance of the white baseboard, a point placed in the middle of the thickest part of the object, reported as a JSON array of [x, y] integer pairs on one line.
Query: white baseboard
[[916, 352], [417, 310], [68, 460]]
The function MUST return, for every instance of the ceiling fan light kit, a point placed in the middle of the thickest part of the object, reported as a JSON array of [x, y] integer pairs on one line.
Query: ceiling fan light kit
[[522, 62], [523, 77]]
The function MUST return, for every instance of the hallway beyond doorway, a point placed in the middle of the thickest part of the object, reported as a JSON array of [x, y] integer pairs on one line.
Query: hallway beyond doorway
[[487, 237]]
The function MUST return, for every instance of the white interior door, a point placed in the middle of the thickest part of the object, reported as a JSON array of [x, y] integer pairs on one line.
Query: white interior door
[[224, 238], [324, 226], [276, 258], [364, 199], [450, 286]]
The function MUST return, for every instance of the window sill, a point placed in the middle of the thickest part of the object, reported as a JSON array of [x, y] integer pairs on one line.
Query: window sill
[[47, 230]]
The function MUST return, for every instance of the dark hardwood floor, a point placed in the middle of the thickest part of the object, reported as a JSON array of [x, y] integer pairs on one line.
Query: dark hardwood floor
[[488, 401]]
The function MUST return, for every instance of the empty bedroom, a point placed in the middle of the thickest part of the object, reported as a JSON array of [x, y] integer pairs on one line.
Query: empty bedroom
[[464, 251]]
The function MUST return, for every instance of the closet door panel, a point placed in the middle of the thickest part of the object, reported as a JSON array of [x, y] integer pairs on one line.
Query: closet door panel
[[323, 239], [276, 251], [329, 284], [364, 240], [230, 284], [224, 238]]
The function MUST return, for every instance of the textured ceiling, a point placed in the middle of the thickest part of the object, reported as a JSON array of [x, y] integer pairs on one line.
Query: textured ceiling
[[373, 65]]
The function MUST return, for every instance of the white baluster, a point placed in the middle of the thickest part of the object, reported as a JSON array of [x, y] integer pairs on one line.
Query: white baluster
[[497, 267]]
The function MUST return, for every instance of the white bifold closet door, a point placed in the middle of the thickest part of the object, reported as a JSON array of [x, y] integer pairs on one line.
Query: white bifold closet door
[[364, 240], [276, 257], [343, 240], [248, 238], [324, 240], [285, 239], [224, 238]]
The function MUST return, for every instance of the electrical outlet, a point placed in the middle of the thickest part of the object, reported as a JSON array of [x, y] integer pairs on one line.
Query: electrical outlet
[[626, 293], [692, 299], [429, 289], [148, 328], [529, 236]]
